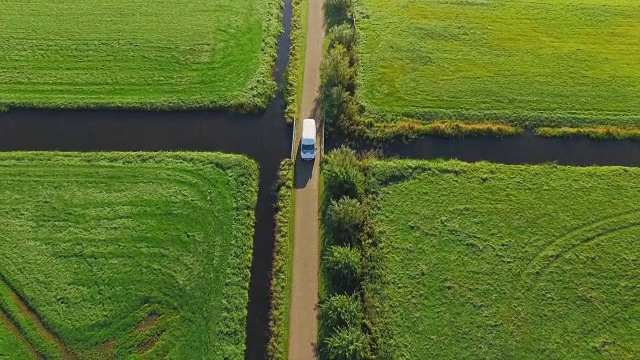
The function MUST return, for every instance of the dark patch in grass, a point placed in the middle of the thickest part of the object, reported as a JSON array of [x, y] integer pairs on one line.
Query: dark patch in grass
[[148, 322], [149, 343]]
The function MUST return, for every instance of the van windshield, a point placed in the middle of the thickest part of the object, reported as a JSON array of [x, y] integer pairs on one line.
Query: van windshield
[[308, 147]]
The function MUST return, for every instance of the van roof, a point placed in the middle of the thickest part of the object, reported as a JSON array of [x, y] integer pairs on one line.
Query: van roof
[[309, 129]]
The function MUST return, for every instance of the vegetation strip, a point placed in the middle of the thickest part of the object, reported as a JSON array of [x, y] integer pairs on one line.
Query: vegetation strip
[[602, 132], [295, 71], [281, 271], [509, 255], [202, 54], [346, 331], [126, 236], [406, 129]]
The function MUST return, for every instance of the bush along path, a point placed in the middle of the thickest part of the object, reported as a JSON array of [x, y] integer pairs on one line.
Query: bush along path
[[303, 323], [346, 328]]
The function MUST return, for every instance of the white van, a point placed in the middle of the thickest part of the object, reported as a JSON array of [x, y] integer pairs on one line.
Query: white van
[[308, 143]]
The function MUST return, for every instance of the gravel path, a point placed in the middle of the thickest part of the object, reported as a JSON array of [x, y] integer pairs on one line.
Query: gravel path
[[303, 325]]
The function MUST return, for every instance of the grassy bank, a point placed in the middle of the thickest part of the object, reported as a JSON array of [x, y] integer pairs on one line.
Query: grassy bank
[[200, 54], [407, 129], [493, 261], [596, 133], [118, 254], [536, 63], [282, 258], [295, 71]]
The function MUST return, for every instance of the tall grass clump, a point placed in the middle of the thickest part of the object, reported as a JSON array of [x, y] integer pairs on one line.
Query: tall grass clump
[[338, 11], [346, 221], [347, 343], [343, 176], [344, 268], [341, 311], [281, 271]]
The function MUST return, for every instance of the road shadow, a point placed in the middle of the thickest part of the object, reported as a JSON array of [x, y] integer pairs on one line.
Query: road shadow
[[303, 172]]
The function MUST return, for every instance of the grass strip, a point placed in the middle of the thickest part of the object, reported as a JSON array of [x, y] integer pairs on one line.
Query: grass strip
[[262, 88], [407, 129], [282, 260], [598, 133], [29, 326], [295, 70], [13, 344]]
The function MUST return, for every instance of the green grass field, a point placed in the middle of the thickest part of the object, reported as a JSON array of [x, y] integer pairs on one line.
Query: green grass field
[[136, 54], [538, 62], [126, 254], [484, 261]]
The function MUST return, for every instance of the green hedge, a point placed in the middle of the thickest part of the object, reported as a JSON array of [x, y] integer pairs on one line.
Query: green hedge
[[345, 332]]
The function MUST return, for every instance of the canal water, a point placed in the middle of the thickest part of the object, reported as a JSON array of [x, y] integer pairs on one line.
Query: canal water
[[522, 149], [267, 139]]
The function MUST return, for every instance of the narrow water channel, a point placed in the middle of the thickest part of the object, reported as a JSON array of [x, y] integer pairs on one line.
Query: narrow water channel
[[523, 149], [265, 138]]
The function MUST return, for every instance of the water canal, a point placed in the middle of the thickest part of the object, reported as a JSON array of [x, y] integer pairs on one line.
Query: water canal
[[267, 139]]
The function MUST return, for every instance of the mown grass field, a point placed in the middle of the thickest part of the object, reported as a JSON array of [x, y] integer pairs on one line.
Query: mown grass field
[[136, 54], [534, 63], [483, 261], [126, 254]]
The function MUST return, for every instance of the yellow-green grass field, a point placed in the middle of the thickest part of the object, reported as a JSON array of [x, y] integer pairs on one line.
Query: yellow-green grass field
[[138, 54], [532, 63], [125, 255], [484, 261]]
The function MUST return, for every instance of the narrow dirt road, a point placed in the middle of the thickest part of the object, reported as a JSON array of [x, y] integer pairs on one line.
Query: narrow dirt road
[[303, 325]]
